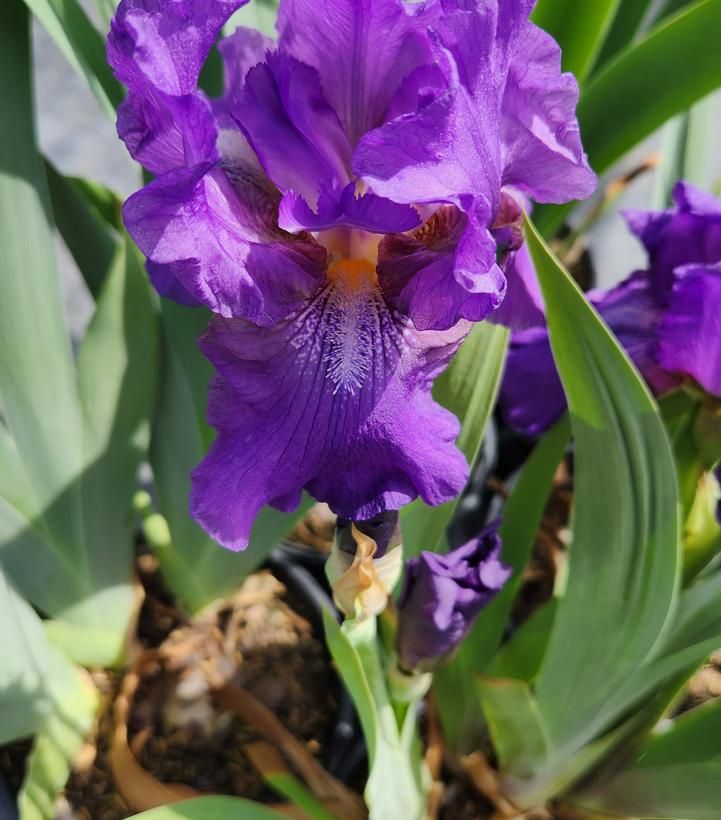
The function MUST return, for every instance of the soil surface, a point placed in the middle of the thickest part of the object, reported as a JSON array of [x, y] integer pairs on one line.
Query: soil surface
[[176, 730], [262, 641]]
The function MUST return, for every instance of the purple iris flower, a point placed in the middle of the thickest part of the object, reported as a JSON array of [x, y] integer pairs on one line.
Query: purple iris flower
[[442, 596], [343, 209], [666, 317]]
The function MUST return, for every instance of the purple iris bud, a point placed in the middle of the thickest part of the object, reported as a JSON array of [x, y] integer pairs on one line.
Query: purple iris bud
[[441, 597], [666, 317], [344, 209]]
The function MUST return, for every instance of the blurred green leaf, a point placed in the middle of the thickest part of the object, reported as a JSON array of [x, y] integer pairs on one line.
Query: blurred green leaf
[[37, 378], [651, 687], [85, 233], [68, 546], [100, 199], [688, 790], [468, 388], [521, 519], [625, 27], [41, 694], [82, 45], [698, 616], [287, 785], [106, 9], [83, 578], [702, 532], [211, 808], [521, 656], [676, 773], [195, 567], [625, 101], [211, 78], [519, 735], [579, 28], [454, 685], [623, 562], [687, 152], [691, 738]]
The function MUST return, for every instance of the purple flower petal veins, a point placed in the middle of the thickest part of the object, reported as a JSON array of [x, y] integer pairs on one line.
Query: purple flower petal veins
[[690, 332], [344, 209], [666, 317], [442, 595]]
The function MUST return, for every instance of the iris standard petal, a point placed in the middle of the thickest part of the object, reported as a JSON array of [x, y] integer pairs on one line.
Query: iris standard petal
[[362, 49], [449, 150], [294, 132], [164, 43], [334, 399], [303, 149], [690, 334], [163, 132], [240, 51], [542, 155]]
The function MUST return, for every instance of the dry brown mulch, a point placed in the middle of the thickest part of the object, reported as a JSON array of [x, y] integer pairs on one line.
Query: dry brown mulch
[[176, 729]]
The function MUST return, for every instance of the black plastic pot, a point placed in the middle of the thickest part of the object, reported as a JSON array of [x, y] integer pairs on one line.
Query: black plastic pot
[[8, 807], [302, 570]]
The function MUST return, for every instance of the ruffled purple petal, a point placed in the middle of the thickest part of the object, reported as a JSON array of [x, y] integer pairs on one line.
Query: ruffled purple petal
[[294, 132], [157, 49], [164, 43], [164, 132], [362, 50], [633, 311], [334, 399], [242, 50], [494, 110], [532, 396], [450, 150], [442, 596], [219, 241], [167, 282], [542, 152], [688, 233], [366, 212], [446, 270], [690, 334]]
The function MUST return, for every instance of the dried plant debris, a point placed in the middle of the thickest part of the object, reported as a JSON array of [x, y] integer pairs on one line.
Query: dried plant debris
[[177, 732], [704, 686]]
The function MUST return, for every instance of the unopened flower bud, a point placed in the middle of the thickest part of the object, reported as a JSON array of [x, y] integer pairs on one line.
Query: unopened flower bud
[[365, 564], [442, 596]]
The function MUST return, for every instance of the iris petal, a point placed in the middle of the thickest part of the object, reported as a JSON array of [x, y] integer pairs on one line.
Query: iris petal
[[335, 399], [362, 49], [690, 335], [221, 243]]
